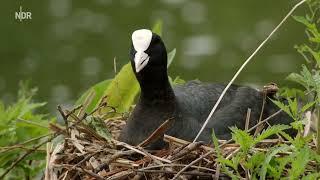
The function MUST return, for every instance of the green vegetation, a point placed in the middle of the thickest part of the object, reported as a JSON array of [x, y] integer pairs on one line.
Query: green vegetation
[[20, 128], [296, 159]]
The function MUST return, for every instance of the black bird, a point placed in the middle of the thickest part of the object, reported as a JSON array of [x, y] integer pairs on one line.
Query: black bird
[[188, 105]]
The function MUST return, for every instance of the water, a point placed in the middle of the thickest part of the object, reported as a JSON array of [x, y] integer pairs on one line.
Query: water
[[68, 46]]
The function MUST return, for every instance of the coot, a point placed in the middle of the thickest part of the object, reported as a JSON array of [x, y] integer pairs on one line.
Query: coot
[[186, 105]]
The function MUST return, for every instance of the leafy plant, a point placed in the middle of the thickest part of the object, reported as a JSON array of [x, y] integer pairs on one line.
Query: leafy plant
[[309, 77], [295, 159], [224, 162], [19, 124], [122, 90]]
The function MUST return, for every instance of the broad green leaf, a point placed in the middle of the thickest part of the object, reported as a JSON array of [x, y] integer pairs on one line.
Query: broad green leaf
[[36, 156], [98, 90], [123, 90], [157, 27]]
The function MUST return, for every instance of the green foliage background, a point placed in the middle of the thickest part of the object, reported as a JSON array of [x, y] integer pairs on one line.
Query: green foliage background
[[19, 123]]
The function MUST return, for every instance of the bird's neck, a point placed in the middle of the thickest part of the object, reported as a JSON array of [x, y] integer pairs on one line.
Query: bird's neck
[[156, 88]]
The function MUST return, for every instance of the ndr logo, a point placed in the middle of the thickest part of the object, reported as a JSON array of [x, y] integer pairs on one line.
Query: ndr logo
[[22, 15]]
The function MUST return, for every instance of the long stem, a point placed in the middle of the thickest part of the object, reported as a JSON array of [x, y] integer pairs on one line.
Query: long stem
[[243, 65]]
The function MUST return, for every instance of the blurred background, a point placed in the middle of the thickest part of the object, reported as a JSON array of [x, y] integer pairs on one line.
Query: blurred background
[[68, 45]]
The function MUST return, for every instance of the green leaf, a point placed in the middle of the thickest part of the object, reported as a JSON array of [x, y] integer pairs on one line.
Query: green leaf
[[307, 106], [270, 155], [13, 130], [284, 107], [275, 129], [301, 51], [216, 144], [299, 141], [36, 156], [171, 56], [244, 139], [98, 90], [123, 90], [302, 20], [306, 50], [224, 162], [273, 171], [294, 77], [297, 125], [178, 81], [157, 27], [311, 176], [237, 159], [282, 163], [255, 160], [300, 160], [293, 105], [287, 137], [99, 126], [305, 78]]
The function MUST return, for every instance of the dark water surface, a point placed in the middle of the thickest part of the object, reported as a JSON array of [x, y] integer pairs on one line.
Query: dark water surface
[[68, 45]]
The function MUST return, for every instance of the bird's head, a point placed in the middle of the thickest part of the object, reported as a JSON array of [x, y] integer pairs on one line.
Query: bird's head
[[147, 52]]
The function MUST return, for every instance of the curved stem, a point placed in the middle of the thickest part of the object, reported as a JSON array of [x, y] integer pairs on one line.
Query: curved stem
[[243, 66]]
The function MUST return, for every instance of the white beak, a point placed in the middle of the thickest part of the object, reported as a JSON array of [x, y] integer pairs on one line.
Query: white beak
[[141, 59]]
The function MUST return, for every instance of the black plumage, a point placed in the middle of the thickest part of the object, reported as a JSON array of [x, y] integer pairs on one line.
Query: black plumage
[[188, 105]]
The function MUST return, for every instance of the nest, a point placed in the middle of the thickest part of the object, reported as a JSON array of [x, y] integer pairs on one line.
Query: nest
[[86, 154]]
